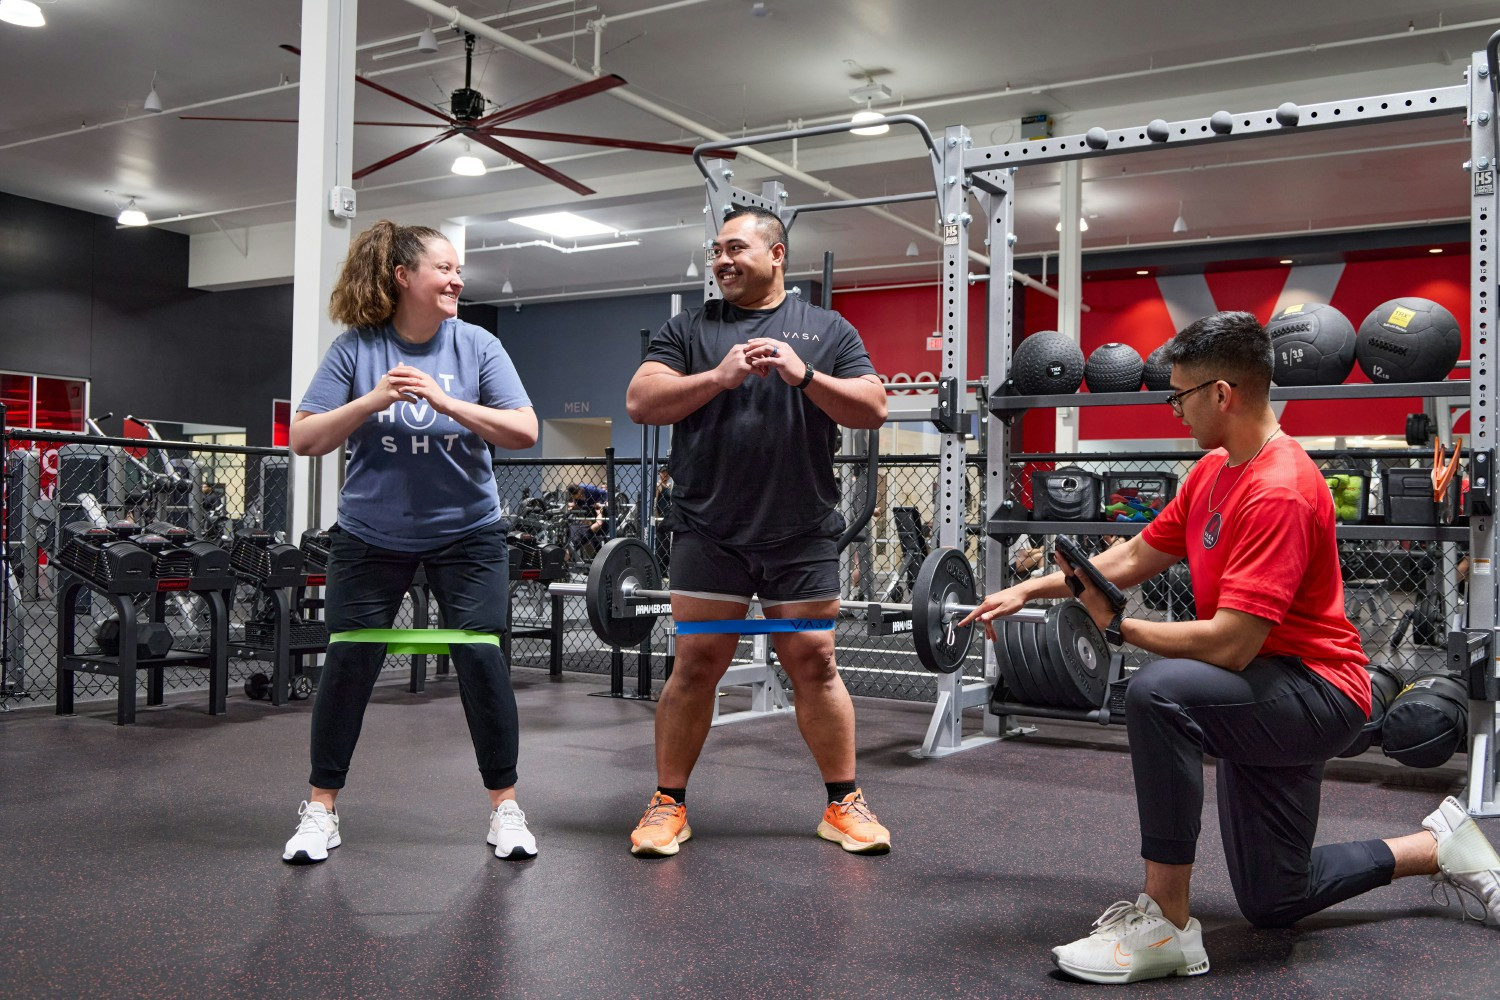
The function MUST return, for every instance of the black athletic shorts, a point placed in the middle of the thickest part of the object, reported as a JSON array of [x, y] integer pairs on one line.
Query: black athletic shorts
[[802, 569]]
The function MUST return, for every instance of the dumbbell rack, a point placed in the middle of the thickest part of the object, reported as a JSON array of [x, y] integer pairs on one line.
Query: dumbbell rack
[[128, 598], [278, 640]]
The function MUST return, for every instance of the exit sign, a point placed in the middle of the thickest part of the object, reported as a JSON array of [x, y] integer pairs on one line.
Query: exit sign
[[934, 343]]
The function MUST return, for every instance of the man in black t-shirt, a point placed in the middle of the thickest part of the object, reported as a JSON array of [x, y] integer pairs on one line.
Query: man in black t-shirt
[[756, 387]]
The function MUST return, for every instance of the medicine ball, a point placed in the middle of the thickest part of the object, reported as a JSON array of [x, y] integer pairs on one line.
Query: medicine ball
[[1311, 344], [1157, 371], [1408, 340], [1427, 721], [1113, 367], [1385, 684], [1046, 363]]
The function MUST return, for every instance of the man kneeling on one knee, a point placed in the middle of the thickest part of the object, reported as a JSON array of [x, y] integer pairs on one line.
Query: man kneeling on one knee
[[1270, 680]]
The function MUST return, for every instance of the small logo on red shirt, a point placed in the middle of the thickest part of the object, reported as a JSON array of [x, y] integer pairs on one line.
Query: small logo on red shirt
[[1211, 531]]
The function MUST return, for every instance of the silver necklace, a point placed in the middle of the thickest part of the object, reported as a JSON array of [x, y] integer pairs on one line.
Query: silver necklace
[[1214, 486]]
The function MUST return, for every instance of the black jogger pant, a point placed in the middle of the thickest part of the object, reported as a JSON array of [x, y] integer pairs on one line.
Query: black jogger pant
[[471, 580], [1272, 726]]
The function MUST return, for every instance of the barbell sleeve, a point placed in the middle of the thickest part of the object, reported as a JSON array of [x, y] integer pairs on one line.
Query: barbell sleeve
[[581, 590]]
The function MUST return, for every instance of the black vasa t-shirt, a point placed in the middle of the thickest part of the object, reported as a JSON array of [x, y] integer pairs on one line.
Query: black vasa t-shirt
[[754, 465]]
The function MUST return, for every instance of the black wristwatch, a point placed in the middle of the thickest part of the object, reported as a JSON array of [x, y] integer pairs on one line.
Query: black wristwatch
[[806, 378], [1112, 631]]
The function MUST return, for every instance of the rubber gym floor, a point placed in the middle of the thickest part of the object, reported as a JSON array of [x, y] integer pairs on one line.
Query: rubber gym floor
[[145, 861]]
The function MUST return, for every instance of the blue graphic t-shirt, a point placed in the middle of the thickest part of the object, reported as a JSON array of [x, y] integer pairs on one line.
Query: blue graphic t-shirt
[[416, 479]]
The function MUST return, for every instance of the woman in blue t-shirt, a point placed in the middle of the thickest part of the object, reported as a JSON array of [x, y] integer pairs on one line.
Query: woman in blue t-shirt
[[419, 397]]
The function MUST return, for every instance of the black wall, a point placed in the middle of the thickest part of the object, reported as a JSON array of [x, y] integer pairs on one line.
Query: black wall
[[82, 298]]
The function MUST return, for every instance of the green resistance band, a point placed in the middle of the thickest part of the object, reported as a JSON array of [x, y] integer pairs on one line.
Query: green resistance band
[[416, 640]]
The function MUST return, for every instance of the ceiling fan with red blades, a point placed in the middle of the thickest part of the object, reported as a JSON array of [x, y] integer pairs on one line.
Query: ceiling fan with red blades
[[468, 120]]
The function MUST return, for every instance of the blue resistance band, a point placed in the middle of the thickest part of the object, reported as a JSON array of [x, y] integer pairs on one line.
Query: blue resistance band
[[755, 626]]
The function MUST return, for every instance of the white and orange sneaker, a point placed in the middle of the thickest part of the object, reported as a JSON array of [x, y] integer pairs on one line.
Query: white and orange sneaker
[[1133, 941], [662, 828], [850, 824]]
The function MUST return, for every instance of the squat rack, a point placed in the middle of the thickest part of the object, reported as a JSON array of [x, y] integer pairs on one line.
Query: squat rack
[[769, 696], [988, 172]]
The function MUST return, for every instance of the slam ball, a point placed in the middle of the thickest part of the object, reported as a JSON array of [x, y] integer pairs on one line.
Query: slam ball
[[1046, 363], [1113, 367], [1311, 344], [1408, 340], [1158, 371]]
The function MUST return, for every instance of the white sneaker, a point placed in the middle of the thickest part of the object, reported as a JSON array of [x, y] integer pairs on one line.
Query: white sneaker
[[1466, 861], [317, 834], [508, 833], [1133, 941]]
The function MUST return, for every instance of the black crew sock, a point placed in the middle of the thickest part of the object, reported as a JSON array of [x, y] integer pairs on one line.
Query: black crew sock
[[679, 795], [838, 789]]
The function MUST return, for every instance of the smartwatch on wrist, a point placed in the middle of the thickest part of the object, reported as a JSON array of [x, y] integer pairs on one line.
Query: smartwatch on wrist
[[1112, 631], [806, 378]]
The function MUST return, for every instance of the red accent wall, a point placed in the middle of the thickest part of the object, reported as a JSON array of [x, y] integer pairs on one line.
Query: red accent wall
[[896, 323]]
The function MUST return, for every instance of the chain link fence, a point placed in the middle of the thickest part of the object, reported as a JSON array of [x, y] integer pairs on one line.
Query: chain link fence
[[1404, 582]]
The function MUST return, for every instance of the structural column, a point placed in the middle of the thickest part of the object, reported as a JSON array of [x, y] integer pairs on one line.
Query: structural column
[[324, 224]]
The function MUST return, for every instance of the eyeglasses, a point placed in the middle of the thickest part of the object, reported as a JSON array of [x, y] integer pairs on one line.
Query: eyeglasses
[[1175, 400]]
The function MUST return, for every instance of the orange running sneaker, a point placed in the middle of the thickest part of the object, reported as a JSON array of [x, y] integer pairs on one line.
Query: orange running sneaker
[[850, 824], [661, 829]]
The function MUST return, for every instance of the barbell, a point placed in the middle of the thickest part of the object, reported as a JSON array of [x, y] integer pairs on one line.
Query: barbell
[[1056, 655]]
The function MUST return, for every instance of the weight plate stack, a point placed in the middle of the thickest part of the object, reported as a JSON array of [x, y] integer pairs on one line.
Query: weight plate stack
[[620, 563], [1039, 659]]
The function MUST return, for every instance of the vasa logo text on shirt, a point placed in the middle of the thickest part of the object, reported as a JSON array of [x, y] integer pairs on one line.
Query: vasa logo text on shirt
[[792, 335]]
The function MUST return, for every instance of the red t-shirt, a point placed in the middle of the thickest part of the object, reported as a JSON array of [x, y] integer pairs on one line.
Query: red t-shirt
[[1268, 549]]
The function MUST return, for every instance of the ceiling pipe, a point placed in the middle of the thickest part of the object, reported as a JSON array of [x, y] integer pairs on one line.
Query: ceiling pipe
[[1403, 35]]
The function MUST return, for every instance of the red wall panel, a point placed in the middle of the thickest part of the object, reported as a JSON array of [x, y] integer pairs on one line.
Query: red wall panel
[[895, 325]]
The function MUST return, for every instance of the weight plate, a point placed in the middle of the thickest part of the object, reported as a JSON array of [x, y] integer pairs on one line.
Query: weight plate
[[1013, 668], [301, 687], [258, 686], [945, 579], [1033, 672], [621, 562], [1039, 663], [1079, 654]]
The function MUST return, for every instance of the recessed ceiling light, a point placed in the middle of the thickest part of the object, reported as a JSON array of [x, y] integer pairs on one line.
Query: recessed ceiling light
[[23, 13], [565, 225], [1435, 250], [1143, 272], [1284, 260], [1083, 225]]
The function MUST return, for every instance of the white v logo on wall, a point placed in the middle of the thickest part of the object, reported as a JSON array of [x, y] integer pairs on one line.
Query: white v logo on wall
[[1188, 297]]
